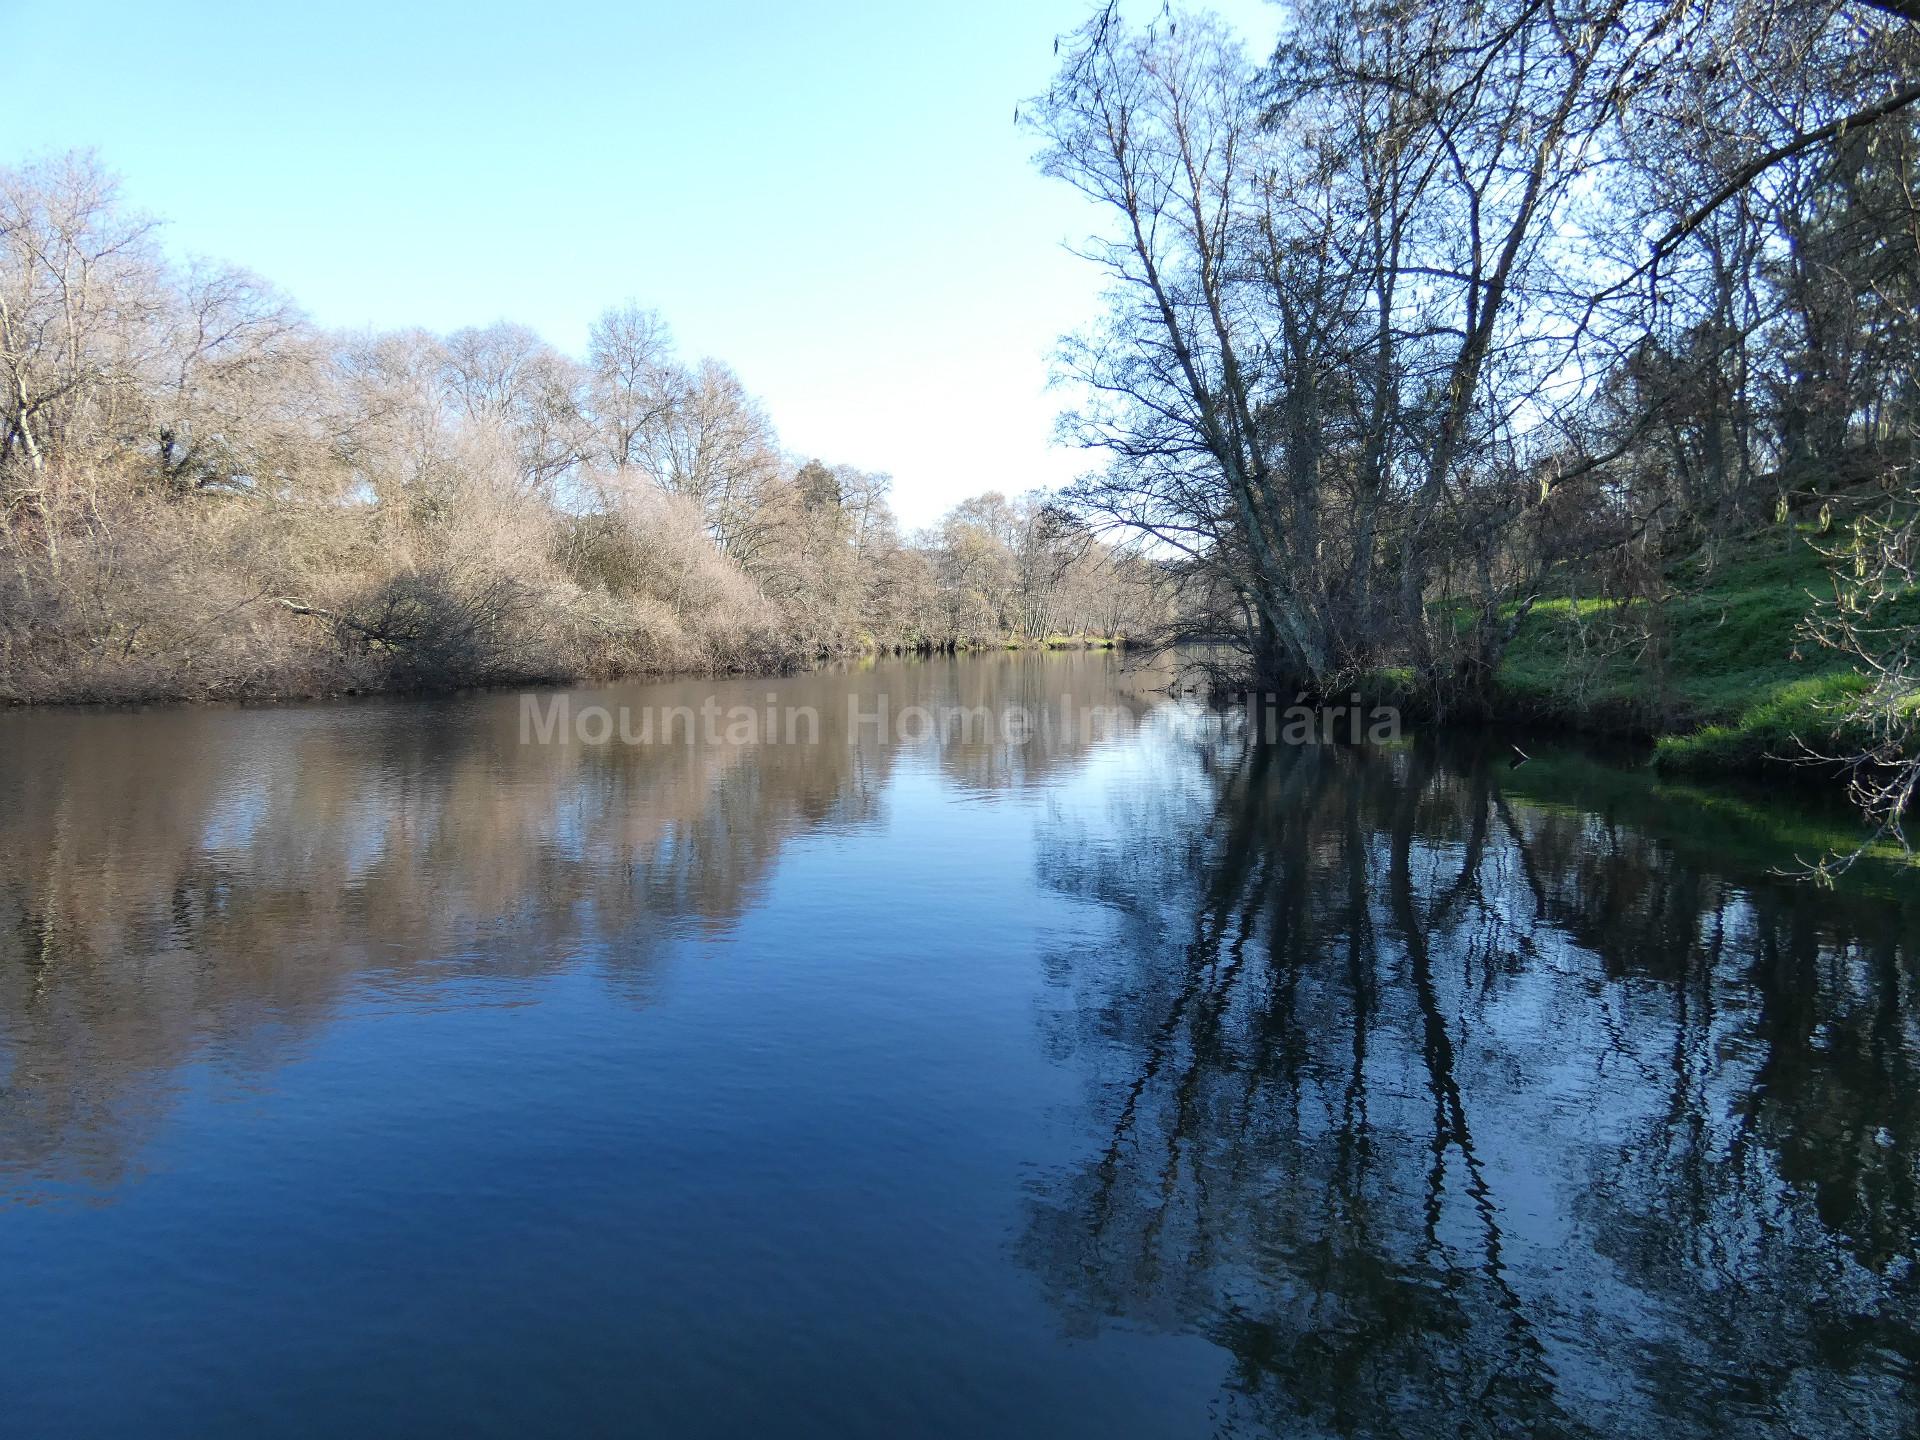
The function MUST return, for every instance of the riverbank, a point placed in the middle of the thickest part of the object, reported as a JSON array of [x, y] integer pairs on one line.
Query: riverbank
[[1723, 677], [332, 677]]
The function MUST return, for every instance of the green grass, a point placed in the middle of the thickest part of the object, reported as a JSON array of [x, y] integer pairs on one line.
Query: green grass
[[1780, 723], [1728, 681]]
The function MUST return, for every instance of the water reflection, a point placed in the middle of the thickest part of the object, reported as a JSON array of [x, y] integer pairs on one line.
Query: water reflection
[[1443, 1105], [1372, 1091], [189, 882]]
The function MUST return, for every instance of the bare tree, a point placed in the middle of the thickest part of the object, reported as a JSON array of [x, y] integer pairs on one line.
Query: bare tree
[[633, 382], [507, 376]]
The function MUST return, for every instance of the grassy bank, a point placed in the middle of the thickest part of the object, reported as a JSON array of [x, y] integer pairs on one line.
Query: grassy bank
[[1723, 677]]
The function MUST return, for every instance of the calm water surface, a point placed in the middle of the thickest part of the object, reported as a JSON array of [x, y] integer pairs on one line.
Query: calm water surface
[[365, 1069]]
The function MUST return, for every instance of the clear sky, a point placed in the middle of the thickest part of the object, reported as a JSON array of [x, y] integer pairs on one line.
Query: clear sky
[[831, 197]]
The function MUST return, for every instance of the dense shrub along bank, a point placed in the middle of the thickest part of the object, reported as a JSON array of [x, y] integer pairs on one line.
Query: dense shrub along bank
[[203, 495]]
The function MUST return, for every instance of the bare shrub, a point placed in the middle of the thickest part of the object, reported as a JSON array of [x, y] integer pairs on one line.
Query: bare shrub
[[439, 627], [651, 551], [203, 495], [155, 600]]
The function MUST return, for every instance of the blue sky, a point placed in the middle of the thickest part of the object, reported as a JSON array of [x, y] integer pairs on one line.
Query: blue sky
[[831, 197]]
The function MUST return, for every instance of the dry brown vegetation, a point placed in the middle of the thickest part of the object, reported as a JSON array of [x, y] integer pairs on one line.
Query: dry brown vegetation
[[202, 494]]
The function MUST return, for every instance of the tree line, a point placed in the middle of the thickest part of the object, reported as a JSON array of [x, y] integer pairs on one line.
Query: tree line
[[1440, 309], [203, 493]]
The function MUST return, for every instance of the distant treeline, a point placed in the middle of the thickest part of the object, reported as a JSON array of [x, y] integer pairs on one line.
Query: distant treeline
[[203, 494]]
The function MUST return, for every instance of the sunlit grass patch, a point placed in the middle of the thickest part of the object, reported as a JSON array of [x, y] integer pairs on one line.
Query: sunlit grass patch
[[1793, 721], [1725, 675]]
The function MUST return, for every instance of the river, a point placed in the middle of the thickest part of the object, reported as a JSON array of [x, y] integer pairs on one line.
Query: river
[[1041, 1059]]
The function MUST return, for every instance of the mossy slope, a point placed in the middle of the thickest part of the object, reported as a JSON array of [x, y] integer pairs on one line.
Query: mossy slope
[[1725, 678]]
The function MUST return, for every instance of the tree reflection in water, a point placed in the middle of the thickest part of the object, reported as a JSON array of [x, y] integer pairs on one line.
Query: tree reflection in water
[[1439, 1096], [186, 882], [1444, 1107]]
